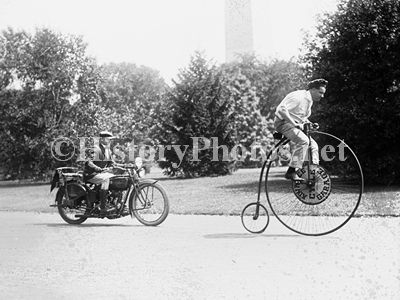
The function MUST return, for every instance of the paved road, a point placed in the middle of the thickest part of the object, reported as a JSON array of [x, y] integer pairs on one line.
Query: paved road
[[194, 257]]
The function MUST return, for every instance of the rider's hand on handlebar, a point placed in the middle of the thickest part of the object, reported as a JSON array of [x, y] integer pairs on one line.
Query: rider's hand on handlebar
[[315, 126]]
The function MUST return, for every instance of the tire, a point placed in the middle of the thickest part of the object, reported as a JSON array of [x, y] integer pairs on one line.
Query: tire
[[150, 204], [255, 217], [68, 214], [326, 205]]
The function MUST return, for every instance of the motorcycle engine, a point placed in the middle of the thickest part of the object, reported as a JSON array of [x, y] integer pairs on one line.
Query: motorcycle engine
[[115, 197]]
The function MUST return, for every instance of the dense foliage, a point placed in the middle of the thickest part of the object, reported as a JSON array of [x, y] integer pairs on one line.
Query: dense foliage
[[51, 88], [271, 81], [357, 49], [233, 102], [197, 106], [129, 95], [41, 75]]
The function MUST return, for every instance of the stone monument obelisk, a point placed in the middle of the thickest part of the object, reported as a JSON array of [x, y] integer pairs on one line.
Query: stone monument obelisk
[[238, 29]]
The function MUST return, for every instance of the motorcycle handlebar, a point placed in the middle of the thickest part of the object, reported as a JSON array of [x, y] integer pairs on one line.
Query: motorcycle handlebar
[[129, 166]]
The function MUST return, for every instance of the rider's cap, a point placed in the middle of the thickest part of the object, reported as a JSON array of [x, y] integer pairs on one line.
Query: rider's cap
[[106, 134]]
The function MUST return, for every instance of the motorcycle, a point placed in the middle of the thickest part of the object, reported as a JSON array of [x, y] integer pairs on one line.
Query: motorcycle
[[128, 194]]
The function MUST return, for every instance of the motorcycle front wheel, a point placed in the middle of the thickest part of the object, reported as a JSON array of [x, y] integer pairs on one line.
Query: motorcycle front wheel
[[150, 204], [67, 212]]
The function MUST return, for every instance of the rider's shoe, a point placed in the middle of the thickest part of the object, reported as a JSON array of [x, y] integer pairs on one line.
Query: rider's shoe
[[125, 211], [292, 175], [107, 211], [103, 210]]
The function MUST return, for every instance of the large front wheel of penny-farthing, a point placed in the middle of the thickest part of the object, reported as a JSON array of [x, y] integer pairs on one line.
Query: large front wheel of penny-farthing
[[255, 217], [329, 196]]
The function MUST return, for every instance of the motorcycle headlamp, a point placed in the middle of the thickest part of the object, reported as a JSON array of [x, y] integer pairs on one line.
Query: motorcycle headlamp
[[138, 162]]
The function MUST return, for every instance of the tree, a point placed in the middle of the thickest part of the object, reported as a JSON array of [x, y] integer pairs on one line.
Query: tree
[[280, 78], [271, 81], [197, 106], [248, 123], [357, 49], [48, 88], [129, 95]]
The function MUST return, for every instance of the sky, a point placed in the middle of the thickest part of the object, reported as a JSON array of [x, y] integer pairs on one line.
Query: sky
[[164, 34]]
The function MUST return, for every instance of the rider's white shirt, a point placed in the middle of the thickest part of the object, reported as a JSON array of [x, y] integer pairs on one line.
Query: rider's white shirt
[[107, 153], [298, 104]]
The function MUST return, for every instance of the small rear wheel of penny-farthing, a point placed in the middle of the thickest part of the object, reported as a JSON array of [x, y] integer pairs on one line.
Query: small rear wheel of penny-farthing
[[255, 217], [328, 195]]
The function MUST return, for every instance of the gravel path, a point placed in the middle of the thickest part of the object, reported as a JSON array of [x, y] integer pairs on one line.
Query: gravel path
[[194, 257]]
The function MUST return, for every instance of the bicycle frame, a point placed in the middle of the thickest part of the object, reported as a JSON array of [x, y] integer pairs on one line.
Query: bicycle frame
[[307, 130], [283, 141], [308, 182]]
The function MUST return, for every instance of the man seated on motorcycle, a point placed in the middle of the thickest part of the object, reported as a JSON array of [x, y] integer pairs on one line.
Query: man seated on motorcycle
[[97, 168]]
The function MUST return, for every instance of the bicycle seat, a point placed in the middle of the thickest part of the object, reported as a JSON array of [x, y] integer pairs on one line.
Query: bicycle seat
[[277, 135]]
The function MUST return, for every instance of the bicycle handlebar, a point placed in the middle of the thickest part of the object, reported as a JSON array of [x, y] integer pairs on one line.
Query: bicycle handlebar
[[310, 127]]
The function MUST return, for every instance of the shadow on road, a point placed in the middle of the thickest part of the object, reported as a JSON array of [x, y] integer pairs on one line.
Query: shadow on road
[[84, 225], [247, 236]]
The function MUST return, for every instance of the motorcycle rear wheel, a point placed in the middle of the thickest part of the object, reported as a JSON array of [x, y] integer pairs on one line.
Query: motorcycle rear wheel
[[67, 213]]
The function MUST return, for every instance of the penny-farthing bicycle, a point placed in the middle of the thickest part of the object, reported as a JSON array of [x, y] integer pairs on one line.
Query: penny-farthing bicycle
[[322, 202]]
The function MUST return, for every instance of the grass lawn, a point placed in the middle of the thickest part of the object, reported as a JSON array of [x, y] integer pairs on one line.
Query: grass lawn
[[225, 195]]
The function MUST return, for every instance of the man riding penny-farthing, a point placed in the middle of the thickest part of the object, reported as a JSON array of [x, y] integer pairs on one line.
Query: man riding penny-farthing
[[322, 187]]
